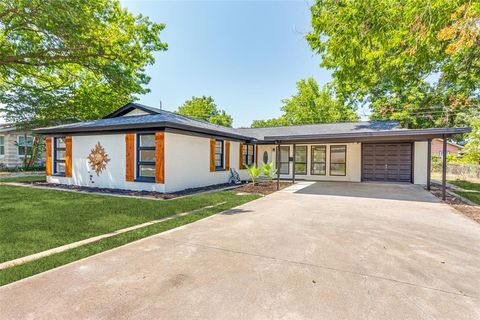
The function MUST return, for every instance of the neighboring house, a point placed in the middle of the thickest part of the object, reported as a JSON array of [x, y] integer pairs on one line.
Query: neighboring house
[[12, 146], [143, 148], [452, 148]]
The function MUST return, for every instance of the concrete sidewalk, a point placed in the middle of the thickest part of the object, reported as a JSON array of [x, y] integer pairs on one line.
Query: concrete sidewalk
[[313, 251]]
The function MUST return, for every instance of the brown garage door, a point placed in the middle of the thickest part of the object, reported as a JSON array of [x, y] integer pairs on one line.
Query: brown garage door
[[390, 162]]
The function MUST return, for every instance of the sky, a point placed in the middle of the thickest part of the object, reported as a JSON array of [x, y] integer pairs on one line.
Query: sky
[[247, 55]]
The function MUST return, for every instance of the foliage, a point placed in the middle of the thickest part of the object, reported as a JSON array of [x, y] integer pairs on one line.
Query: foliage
[[472, 148], [74, 59], [411, 61], [308, 106], [269, 170], [204, 108], [254, 172]]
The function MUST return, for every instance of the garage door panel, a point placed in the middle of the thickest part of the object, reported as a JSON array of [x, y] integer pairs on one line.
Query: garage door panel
[[390, 162]]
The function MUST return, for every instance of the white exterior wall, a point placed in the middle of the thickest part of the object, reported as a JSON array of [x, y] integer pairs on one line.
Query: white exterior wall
[[113, 176], [420, 164], [353, 163], [187, 162]]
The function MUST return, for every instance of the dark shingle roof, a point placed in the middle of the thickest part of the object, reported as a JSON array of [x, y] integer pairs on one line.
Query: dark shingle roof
[[164, 119]]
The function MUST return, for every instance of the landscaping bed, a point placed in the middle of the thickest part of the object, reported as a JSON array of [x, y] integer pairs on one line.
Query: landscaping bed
[[263, 187], [466, 209]]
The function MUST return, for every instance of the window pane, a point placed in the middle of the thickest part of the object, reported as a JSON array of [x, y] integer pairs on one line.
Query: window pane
[[60, 155], [337, 169], [2, 150], [337, 154], [300, 168], [147, 170], [2, 141], [60, 142], [284, 154], [301, 154], [250, 159], [60, 167], [147, 155], [319, 154], [250, 148], [265, 157], [284, 168], [147, 140], [319, 168], [21, 140], [21, 151]]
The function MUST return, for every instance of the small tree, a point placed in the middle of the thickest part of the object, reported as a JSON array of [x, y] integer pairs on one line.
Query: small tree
[[254, 172], [269, 170]]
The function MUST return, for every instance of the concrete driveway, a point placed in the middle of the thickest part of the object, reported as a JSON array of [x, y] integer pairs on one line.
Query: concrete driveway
[[314, 251]]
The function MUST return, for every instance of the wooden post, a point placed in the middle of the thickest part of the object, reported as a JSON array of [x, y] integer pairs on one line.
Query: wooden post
[[293, 171], [429, 164], [444, 168], [277, 155]]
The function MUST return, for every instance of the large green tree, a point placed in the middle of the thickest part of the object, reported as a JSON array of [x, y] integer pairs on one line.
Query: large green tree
[[415, 61], [308, 106], [204, 108], [72, 59]]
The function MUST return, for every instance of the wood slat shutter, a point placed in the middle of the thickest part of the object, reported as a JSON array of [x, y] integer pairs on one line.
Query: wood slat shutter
[[130, 157], [240, 157], [256, 154], [227, 155], [68, 156], [160, 157], [48, 156], [212, 155]]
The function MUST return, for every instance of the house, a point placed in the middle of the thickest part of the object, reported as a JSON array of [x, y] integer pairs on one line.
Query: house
[[143, 148], [12, 146], [452, 148]]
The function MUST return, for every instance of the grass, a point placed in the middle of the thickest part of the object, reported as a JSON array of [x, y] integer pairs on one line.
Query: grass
[[34, 220], [34, 267], [23, 179], [472, 196], [466, 185]]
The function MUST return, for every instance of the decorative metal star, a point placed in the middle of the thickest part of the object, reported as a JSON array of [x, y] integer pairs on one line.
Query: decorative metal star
[[98, 159]]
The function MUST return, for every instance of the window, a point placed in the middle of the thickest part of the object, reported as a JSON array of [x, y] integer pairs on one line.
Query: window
[[59, 156], [2, 145], [248, 154], [301, 160], [218, 154], [146, 157], [319, 160], [22, 143], [265, 157], [284, 160], [338, 157]]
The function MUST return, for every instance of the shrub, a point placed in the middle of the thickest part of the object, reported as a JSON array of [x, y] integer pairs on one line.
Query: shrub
[[253, 172], [269, 170]]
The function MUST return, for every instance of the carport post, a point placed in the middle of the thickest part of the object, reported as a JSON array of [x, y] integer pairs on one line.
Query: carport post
[[293, 170], [429, 163], [444, 168], [277, 156]]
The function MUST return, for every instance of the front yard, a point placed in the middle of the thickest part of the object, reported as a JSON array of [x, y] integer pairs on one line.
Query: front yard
[[472, 190], [34, 220]]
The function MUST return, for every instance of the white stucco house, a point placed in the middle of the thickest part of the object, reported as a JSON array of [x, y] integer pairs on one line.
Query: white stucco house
[[143, 148]]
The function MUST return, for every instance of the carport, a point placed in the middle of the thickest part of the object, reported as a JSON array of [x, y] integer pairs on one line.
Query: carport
[[387, 153]]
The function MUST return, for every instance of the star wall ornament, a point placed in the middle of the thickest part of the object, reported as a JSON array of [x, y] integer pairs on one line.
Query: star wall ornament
[[98, 159]]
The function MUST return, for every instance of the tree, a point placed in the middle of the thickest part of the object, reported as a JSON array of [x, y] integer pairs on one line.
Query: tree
[[76, 59], [413, 61], [204, 108], [310, 105]]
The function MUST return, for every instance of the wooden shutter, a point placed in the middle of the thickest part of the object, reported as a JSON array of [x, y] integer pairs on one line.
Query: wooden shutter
[[68, 156], [48, 155], [130, 156], [256, 154], [227, 155], [212, 155], [160, 157], [240, 157]]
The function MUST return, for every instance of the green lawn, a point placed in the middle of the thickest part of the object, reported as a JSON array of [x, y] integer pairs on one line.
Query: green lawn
[[466, 185], [23, 179], [33, 220]]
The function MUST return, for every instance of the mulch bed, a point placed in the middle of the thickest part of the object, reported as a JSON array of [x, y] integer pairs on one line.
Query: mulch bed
[[147, 194], [263, 187], [471, 212]]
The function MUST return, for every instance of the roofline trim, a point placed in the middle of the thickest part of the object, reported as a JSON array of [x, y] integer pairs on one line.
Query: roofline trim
[[125, 109]]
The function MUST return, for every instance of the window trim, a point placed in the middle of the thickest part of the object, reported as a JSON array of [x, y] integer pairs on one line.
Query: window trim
[[305, 163], [2, 145], [246, 154], [312, 159], [55, 159], [222, 155], [345, 157], [138, 162], [280, 160]]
